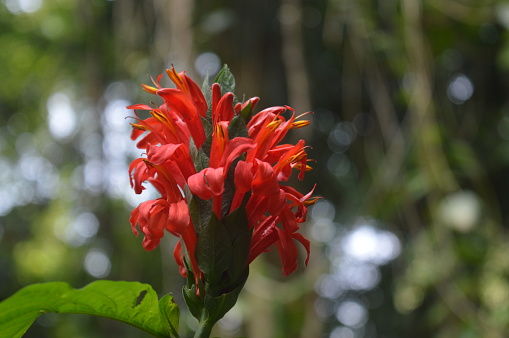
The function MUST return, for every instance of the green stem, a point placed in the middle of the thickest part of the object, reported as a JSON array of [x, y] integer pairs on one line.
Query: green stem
[[205, 326]]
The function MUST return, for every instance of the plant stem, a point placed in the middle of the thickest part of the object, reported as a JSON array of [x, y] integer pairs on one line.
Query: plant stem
[[204, 329]]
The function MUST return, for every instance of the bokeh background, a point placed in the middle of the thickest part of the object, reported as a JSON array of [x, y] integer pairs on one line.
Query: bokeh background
[[410, 134]]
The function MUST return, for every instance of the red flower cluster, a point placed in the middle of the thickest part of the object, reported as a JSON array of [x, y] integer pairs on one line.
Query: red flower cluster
[[177, 129]]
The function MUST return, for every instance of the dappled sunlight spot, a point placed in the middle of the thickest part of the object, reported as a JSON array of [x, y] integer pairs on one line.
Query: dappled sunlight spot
[[39, 259], [495, 292], [97, 263], [207, 63], [90, 145], [82, 229], [23, 6], [25, 144], [323, 209], [368, 244], [355, 275], [502, 13], [217, 21], [118, 91], [322, 230], [339, 165], [407, 299], [342, 332], [53, 26], [135, 199], [341, 136], [114, 114], [324, 308], [93, 176], [352, 313], [503, 127], [460, 211], [5, 170], [39, 170], [115, 146], [23, 192], [329, 286], [6, 202], [62, 122], [117, 180], [288, 14], [460, 89], [355, 257]]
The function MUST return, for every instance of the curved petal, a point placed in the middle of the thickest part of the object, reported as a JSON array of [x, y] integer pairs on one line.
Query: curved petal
[[207, 183]]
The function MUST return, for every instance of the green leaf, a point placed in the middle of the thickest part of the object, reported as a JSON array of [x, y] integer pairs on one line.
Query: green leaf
[[207, 91], [171, 313], [194, 304], [247, 112], [213, 250], [240, 256], [201, 161], [237, 127], [217, 307], [236, 222], [200, 212], [130, 302], [237, 226], [226, 80]]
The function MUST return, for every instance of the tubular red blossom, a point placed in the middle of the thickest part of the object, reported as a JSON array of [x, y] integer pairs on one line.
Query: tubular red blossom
[[207, 183], [231, 168]]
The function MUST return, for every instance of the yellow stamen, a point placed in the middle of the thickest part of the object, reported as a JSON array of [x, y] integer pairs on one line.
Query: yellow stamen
[[298, 157], [221, 142], [273, 125], [311, 201], [175, 77], [298, 166], [138, 126], [300, 124], [149, 89], [159, 116]]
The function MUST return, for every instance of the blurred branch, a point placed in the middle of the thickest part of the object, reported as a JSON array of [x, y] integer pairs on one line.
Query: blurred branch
[[477, 12], [293, 55]]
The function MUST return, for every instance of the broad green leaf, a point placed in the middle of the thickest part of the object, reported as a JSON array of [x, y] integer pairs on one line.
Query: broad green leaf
[[236, 223], [200, 212], [130, 302], [171, 312], [213, 250], [240, 255], [226, 80]]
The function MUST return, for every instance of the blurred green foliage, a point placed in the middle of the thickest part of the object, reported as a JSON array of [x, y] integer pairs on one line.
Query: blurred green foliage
[[410, 128]]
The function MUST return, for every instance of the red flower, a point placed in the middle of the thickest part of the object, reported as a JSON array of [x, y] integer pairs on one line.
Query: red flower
[[254, 163]]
